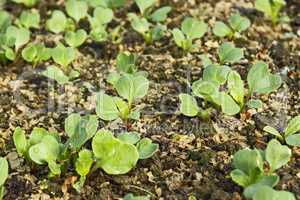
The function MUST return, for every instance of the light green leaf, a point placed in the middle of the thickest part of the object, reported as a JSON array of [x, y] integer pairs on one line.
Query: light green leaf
[[145, 5], [106, 108], [277, 155], [146, 148], [56, 74], [20, 141], [272, 131], [267, 193], [30, 19], [101, 16], [216, 74], [220, 29], [75, 39], [293, 140], [63, 55], [3, 171], [293, 126], [160, 14], [5, 20], [28, 3], [21, 35], [126, 62], [229, 106], [239, 23], [129, 137], [236, 87], [188, 105], [193, 28], [114, 156], [178, 37], [255, 103], [141, 25], [77, 9], [228, 53], [84, 162], [239, 177], [57, 23]]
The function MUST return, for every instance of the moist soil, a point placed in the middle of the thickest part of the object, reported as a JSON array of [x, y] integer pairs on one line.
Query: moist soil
[[195, 156]]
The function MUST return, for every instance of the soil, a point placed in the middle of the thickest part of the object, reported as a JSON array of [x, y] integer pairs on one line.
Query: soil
[[194, 157]]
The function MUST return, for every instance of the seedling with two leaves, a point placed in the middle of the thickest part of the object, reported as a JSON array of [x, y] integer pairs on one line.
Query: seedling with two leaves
[[3, 175], [190, 30], [270, 8], [63, 56], [224, 88], [130, 88], [35, 53], [291, 134], [236, 25], [251, 174], [149, 24], [29, 19]]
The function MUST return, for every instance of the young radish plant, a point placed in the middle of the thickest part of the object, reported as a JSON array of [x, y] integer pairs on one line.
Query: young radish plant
[[3, 175], [190, 30], [271, 8], [236, 25], [223, 87], [250, 171], [29, 19], [36, 53], [290, 135]]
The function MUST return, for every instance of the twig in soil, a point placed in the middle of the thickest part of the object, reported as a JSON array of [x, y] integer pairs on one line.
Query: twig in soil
[[142, 189]]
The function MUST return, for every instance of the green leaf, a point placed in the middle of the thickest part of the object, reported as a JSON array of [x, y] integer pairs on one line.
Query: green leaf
[[216, 74], [30, 19], [62, 55], [193, 28], [28, 3], [179, 37], [270, 8], [84, 162], [76, 39], [293, 126], [57, 23], [101, 16], [146, 148], [207, 90], [132, 197], [236, 87], [255, 103], [145, 5], [77, 9], [277, 155], [20, 141], [188, 105], [114, 156], [80, 129], [141, 25], [160, 14], [37, 135], [229, 106], [106, 108], [21, 35], [5, 20], [239, 23], [129, 137], [272, 131], [126, 62], [99, 34], [267, 193], [132, 87], [3, 171], [9, 53], [220, 29], [248, 161], [260, 80], [228, 53], [56, 74], [293, 140], [270, 181], [239, 177], [35, 53]]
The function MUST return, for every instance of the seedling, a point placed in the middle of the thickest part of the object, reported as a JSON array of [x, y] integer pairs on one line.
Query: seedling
[[230, 100], [116, 156], [191, 29], [35, 53], [250, 172], [228, 53], [29, 19], [146, 7], [59, 75], [291, 134], [77, 9], [75, 39], [149, 31], [5, 20], [20, 36], [3, 175], [130, 88], [236, 25], [28, 3], [63, 56], [58, 22], [266, 192], [101, 17], [270, 8], [107, 3]]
